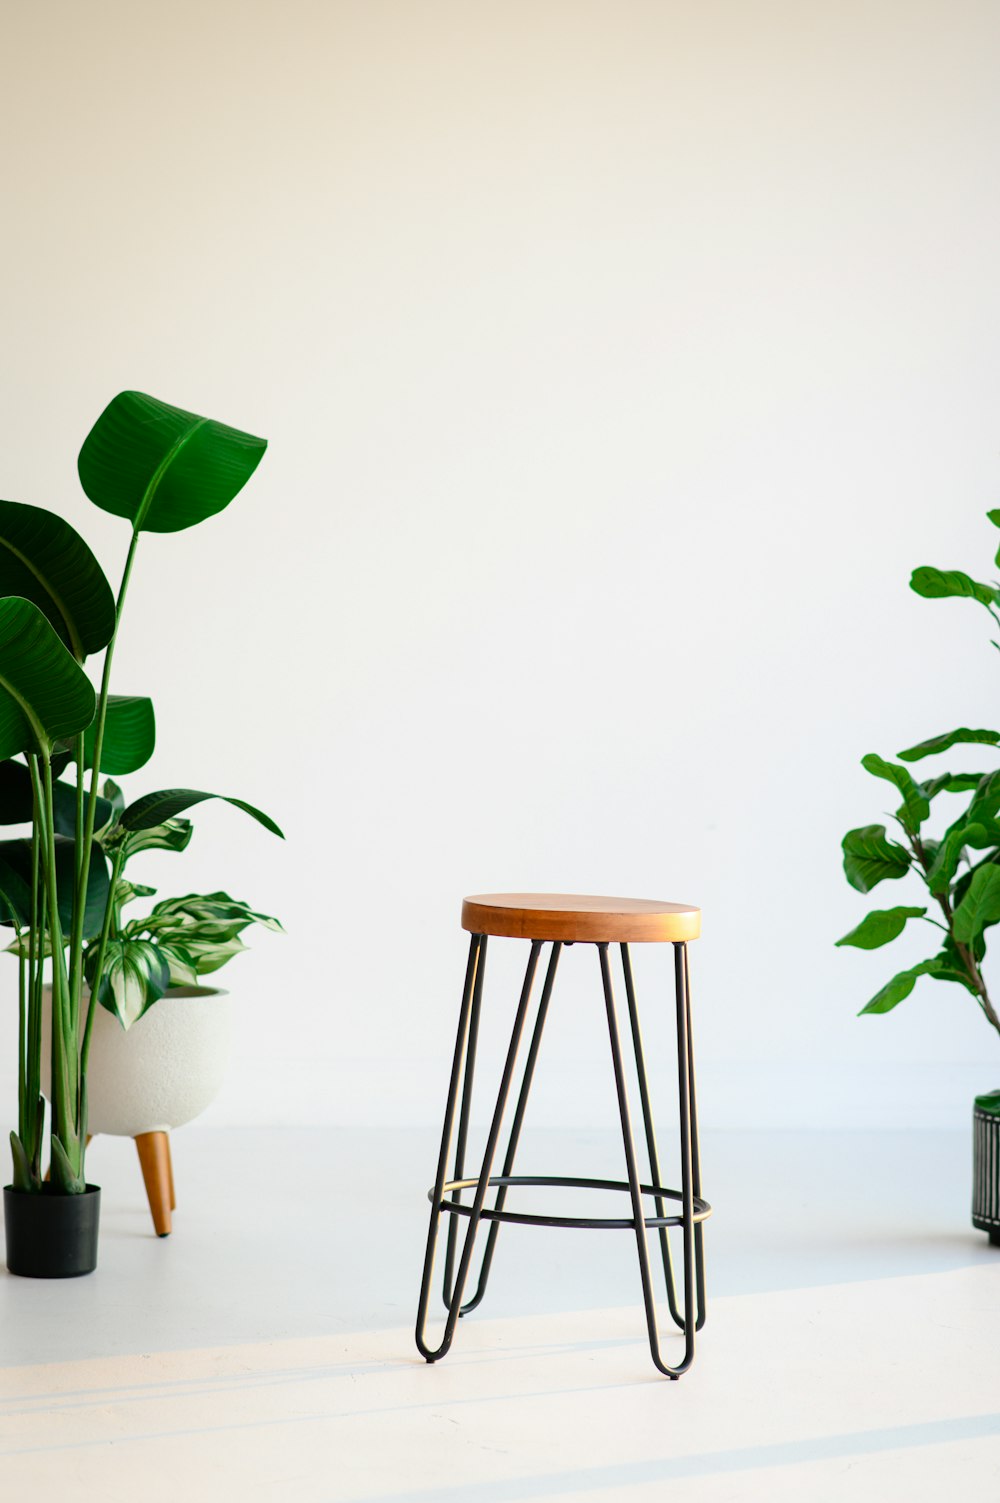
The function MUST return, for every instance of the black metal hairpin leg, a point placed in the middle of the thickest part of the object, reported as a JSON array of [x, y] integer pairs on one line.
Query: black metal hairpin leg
[[687, 1173], [515, 1131], [682, 986], [647, 1122], [463, 1123], [476, 949]]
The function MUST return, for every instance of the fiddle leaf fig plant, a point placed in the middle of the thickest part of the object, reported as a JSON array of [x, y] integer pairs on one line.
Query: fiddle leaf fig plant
[[62, 885], [959, 865]]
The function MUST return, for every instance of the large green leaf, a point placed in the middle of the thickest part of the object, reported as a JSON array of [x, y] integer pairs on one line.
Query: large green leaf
[[161, 467], [900, 987], [950, 738], [45, 560], [157, 808], [980, 906], [17, 804], [129, 734], [916, 807], [938, 584], [15, 890], [870, 857], [136, 974], [16, 855], [880, 927], [44, 693]]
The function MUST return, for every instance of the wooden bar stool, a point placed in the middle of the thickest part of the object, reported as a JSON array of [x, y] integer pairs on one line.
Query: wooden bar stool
[[566, 919]]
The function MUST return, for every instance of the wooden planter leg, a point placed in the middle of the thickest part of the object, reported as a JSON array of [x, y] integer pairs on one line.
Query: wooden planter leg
[[154, 1156], [170, 1174]]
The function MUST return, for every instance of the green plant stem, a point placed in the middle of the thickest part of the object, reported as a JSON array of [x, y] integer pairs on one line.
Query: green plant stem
[[76, 939], [22, 1041], [33, 1063], [965, 954], [64, 1094], [102, 948], [82, 866]]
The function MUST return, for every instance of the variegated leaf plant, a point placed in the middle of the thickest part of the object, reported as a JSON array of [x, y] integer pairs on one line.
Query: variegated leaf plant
[[62, 884], [959, 866]]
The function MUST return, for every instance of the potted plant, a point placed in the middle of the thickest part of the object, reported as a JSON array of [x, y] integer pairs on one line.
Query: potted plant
[[62, 887], [959, 868], [151, 1069]]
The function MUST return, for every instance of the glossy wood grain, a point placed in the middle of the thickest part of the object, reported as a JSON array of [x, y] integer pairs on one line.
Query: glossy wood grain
[[572, 917]]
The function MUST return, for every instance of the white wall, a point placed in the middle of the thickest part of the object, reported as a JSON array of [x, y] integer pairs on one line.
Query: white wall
[[618, 360]]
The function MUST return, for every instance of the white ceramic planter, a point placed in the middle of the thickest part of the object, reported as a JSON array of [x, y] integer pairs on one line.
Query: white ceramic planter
[[164, 1071]]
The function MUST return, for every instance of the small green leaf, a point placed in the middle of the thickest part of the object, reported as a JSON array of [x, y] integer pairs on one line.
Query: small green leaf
[[44, 560], [951, 738], [129, 735], [937, 584], [985, 804], [952, 965], [870, 857], [182, 969], [156, 808], [173, 835], [65, 1179], [215, 913], [880, 927], [136, 974], [916, 807], [21, 1178], [981, 905], [994, 517], [127, 892], [161, 467], [208, 956], [900, 987]]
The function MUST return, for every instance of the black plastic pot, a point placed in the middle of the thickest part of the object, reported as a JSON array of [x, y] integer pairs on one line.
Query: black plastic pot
[[51, 1236], [986, 1165]]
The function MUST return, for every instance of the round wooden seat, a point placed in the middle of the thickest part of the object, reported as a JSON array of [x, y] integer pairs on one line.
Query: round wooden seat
[[570, 917]]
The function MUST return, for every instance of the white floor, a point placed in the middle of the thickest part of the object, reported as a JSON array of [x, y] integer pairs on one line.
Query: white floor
[[265, 1350]]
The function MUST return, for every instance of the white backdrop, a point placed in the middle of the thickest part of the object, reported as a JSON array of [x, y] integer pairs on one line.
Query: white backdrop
[[618, 360]]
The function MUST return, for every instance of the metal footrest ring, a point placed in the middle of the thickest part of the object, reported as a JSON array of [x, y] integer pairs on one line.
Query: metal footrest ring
[[702, 1209]]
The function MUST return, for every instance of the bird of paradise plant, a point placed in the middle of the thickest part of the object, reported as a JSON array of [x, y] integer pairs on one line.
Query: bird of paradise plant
[[63, 888]]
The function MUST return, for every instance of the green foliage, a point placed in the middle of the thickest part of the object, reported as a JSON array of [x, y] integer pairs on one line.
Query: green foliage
[[937, 584], [44, 693], [916, 806], [964, 885], [945, 742], [900, 987], [134, 976], [129, 735], [880, 927], [163, 468], [159, 808], [980, 907], [44, 560], [870, 857], [63, 886], [198, 934]]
